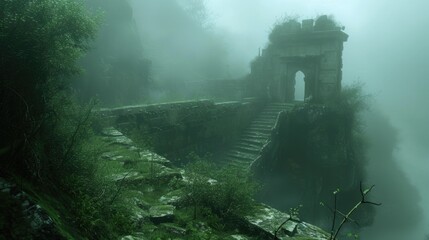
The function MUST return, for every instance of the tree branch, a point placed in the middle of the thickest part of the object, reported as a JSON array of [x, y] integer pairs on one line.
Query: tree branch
[[363, 194]]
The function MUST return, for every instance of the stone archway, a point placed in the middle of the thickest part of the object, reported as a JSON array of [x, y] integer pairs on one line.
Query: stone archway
[[315, 51]]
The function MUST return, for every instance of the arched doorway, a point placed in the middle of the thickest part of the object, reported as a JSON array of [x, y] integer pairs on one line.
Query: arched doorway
[[299, 94]]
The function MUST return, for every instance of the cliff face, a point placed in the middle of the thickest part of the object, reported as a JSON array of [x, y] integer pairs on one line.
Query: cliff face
[[316, 152], [115, 69]]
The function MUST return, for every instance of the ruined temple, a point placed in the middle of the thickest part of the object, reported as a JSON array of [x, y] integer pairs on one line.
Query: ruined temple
[[312, 47], [300, 152]]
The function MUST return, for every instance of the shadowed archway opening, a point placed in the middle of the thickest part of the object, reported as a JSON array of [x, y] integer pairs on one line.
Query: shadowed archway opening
[[299, 94]]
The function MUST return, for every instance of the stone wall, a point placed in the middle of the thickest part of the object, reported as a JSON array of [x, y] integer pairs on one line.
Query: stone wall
[[176, 129]]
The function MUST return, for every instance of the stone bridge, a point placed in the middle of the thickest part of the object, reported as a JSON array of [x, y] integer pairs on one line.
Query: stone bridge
[[243, 130], [236, 133]]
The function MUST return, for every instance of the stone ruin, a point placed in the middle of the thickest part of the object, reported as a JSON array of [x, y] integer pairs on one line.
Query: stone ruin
[[313, 47]]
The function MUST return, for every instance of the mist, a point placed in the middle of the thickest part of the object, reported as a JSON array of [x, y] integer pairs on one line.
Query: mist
[[225, 119], [386, 52]]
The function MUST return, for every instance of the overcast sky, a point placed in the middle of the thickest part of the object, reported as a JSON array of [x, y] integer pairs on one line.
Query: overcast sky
[[388, 50]]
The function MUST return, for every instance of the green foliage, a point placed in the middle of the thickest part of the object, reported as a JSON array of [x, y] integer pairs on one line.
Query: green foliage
[[97, 217], [284, 25], [219, 193], [47, 137], [40, 42], [62, 147], [291, 25], [326, 23], [324, 148], [70, 164], [352, 235], [350, 103], [294, 212], [43, 39]]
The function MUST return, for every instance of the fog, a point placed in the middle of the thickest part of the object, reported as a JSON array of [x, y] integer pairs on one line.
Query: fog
[[214, 119], [386, 51]]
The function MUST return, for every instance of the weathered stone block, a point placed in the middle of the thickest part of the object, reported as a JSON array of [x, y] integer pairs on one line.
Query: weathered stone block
[[161, 214]]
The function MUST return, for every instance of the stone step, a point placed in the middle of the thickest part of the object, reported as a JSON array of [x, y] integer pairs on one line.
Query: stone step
[[253, 133], [271, 117], [260, 130], [248, 145], [261, 125], [247, 150], [253, 138], [260, 140], [266, 119], [253, 141], [265, 115]]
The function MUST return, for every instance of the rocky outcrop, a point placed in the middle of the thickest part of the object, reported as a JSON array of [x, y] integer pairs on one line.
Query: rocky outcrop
[[161, 213], [22, 217], [265, 220], [135, 236]]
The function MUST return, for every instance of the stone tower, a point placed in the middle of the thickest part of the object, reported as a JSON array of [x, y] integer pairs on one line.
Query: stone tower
[[312, 47]]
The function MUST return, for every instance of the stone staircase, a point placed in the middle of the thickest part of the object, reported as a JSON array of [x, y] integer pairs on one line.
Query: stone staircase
[[253, 139]]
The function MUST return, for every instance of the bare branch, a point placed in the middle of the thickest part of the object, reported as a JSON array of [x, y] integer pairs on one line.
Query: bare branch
[[346, 217]]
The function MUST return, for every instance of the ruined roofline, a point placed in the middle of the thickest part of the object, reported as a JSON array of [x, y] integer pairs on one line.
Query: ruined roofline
[[314, 35], [323, 28]]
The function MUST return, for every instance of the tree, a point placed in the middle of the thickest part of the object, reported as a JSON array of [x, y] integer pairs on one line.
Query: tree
[[40, 42]]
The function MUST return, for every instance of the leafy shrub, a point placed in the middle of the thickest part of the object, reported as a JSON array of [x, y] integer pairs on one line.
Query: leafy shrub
[[225, 192], [325, 23], [291, 25], [283, 26]]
